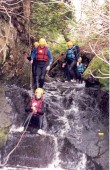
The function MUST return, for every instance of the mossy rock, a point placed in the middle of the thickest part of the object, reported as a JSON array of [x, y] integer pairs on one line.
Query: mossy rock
[[97, 66], [3, 136]]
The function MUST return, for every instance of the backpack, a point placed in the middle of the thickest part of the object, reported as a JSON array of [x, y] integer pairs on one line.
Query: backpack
[[70, 54], [76, 51]]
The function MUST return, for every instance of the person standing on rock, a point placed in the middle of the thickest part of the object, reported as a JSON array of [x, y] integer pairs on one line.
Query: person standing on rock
[[80, 69], [44, 59], [69, 64]]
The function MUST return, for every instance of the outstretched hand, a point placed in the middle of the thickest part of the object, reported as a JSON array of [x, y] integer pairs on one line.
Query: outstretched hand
[[48, 68], [31, 61], [33, 109], [63, 65]]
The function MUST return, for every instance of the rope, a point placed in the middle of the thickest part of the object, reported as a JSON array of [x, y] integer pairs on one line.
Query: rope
[[8, 156]]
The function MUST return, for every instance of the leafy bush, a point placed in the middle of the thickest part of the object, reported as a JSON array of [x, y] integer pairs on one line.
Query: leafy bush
[[60, 48]]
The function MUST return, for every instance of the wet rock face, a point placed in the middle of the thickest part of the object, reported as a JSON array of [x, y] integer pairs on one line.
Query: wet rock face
[[70, 157], [33, 151], [5, 109], [19, 98], [102, 98], [73, 119], [13, 45]]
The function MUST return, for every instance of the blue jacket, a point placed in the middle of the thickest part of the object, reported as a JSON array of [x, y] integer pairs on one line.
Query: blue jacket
[[33, 55], [70, 55], [80, 68]]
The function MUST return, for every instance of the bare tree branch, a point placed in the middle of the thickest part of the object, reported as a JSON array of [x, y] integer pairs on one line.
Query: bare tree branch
[[103, 59], [105, 74], [98, 77]]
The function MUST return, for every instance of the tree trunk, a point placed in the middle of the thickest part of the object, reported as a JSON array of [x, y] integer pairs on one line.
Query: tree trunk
[[26, 8]]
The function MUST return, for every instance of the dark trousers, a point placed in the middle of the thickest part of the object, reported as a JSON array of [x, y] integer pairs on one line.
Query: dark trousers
[[73, 69], [36, 122], [67, 73], [40, 73], [70, 71], [34, 71], [79, 77]]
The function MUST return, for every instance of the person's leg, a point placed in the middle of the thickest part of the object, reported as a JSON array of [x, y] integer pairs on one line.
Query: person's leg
[[73, 63], [34, 124], [34, 72], [81, 78], [27, 120], [72, 69], [78, 77], [75, 72], [68, 74], [40, 122], [38, 74], [42, 76], [65, 70]]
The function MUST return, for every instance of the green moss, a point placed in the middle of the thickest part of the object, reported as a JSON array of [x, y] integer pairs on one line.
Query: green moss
[[3, 136], [97, 64]]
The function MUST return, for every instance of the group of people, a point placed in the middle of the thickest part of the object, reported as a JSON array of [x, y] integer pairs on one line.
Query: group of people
[[41, 60], [73, 66]]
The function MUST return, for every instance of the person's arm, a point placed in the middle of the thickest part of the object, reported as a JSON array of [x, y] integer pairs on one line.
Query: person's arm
[[28, 107], [50, 57], [65, 61], [33, 54]]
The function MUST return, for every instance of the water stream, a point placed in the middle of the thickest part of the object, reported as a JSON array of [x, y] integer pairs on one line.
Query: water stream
[[71, 140]]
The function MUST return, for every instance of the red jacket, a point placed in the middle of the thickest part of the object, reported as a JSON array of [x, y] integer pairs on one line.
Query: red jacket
[[41, 54], [38, 104]]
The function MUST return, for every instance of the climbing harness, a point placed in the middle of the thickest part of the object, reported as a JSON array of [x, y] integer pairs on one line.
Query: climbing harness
[[8, 156]]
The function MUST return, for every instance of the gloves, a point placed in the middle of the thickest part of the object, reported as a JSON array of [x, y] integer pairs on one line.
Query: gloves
[[48, 68], [63, 65]]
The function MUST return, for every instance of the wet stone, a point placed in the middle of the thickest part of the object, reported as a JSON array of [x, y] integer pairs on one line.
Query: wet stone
[[33, 151], [72, 158]]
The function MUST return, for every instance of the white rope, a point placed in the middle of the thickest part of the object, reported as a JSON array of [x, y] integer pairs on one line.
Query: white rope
[[8, 156]]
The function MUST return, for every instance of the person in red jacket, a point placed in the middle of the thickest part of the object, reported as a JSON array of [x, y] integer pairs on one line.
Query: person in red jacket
[[37, 108], [44, 60]]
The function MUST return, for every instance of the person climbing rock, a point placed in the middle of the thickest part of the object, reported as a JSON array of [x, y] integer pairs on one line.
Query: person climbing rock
[[36, 108], [69, 64], [80, 69], [76, 51], [44, 59]]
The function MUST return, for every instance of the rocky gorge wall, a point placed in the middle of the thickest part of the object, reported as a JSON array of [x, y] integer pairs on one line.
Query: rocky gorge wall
[[14, 49]]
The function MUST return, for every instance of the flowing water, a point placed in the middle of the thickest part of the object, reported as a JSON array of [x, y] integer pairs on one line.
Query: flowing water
[[71, 141]]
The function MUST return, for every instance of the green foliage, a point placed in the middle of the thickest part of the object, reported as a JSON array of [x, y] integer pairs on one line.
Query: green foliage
[[48, 20], [97, 64], [59, 48]]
